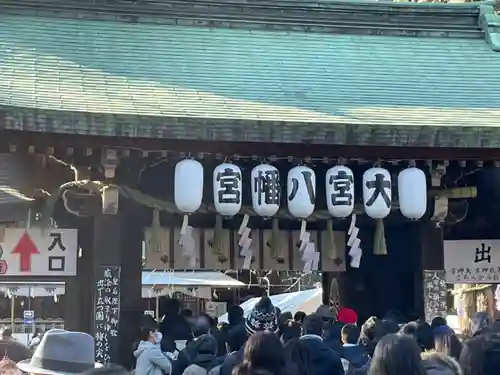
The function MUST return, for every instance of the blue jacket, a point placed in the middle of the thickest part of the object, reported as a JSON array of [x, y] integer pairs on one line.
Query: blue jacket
[[151, 360]]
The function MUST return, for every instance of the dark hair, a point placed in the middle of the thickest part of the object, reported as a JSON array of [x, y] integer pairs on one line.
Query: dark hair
[[172, 306], [448, 343], [350, 334], [236, 338], [313, 325], [263, 351], [396, 354], [299, 316], [298, 358], [201, 326], [235, 315], [291, 330], [147, 326], [421, 332], [438, 321]]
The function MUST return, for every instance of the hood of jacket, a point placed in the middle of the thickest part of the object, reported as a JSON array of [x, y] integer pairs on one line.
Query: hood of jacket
[[319, 353], [144, 346], [203, 352], [445, 366]]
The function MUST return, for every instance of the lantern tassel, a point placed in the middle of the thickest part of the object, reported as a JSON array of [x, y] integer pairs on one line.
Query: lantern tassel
[[380, 246], [155, 231], [276, 251], [218, 234], [185, 222], [333, 251]]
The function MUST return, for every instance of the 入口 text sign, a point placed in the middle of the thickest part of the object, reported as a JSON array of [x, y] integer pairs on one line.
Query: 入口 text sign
[[33, 253], [472, 261]]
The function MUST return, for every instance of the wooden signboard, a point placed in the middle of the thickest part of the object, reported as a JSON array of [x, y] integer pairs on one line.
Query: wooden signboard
[[435, 293], [107, 314]]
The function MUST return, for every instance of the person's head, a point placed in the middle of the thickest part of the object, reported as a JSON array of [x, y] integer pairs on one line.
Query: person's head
[[172, 306], [396, 354], [263, 353], [480, 323], [291, 330], [6, 333], [149, 332], [235, 315], [297, 357], [350, 334], [438, 321], [287, 315], [448, 343], [371, 332], [313, 325], [205, 344], [421, 332], [438, 363], [326, 313], [263, 317], [481, 355], [299, 317], [201, 326], [236, 338]]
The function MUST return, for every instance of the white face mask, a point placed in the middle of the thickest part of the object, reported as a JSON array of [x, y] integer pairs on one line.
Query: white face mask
[[158, 337]]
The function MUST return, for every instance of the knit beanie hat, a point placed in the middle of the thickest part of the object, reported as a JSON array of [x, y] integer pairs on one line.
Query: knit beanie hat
[[347, 316], [263, 317]]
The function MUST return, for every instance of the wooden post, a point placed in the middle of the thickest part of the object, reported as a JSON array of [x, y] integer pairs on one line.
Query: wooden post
[[106, 256]]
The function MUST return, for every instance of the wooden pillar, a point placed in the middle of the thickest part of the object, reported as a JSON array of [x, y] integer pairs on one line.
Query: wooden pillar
[[131, 282], [106, 261], [78, 296]]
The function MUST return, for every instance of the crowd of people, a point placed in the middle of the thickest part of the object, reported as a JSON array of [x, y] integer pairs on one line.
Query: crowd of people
[[270, 342]]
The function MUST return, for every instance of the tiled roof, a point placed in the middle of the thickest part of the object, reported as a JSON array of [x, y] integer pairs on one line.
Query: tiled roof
[[222, 73]]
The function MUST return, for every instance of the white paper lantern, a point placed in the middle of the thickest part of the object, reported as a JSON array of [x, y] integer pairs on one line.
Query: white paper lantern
[[188, 185], [377, 191], [266, 190], [340, 191], [301, 191], [227, 182], [412, 193]]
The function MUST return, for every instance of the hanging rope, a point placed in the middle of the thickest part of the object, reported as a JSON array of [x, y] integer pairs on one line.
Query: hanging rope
[[218, 241], [330, 243], [379, 244]]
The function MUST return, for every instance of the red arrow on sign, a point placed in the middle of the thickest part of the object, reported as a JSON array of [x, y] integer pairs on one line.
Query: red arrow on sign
[[25, 248]]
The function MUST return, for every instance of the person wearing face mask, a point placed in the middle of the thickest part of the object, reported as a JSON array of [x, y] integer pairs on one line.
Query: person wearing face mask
[[150, 359]]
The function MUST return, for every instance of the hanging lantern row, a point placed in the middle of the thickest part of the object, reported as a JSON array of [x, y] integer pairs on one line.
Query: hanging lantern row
[[301, 190]]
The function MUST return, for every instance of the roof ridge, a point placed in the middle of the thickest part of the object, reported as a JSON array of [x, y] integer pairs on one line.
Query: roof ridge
[[335, 16], [489, 22]]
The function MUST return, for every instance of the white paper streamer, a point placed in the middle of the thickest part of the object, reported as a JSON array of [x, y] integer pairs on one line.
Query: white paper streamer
[[244, 243], [354, 243], [188, 246]]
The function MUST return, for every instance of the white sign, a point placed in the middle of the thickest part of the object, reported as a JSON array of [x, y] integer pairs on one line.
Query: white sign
[[472, 261], [28, 252]]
